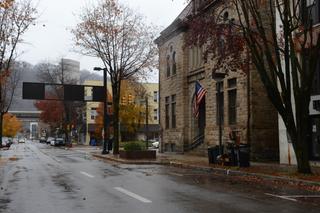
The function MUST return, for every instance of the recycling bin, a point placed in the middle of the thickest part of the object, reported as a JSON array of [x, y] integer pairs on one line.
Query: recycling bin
[[213, 153], [244, 155]]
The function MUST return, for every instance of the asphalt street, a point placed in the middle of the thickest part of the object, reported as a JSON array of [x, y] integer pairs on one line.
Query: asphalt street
[[38, 178]]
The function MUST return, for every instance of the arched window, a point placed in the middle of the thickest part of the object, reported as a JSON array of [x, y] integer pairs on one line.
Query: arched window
[[174, 65], [168, 66]]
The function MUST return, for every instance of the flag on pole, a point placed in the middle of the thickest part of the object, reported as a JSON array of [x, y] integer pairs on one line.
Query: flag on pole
[[200, 92]]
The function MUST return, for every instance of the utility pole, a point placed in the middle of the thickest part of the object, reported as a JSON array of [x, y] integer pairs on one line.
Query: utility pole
[[105, 149]]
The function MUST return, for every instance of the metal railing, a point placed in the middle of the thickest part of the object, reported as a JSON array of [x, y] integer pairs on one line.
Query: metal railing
[[197, 141]]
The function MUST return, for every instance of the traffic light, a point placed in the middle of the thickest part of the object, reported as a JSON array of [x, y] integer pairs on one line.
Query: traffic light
[[123, 100], [130, 99]]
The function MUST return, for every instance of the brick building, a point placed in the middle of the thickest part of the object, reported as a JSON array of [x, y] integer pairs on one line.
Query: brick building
[[245, 106]]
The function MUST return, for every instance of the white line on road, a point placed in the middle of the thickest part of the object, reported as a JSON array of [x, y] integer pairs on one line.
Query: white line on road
[[282, 197], [87, 174], [131, 194], [303, 196]]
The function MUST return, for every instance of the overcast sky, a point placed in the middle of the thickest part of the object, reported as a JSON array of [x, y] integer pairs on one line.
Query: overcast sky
[[51, 39]]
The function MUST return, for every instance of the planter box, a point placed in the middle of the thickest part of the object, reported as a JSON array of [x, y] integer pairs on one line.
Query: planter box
[[136, 155]]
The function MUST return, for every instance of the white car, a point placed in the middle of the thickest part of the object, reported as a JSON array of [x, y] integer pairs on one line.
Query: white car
[[155, 144], [52, 142], [21, 140], [49, 139]]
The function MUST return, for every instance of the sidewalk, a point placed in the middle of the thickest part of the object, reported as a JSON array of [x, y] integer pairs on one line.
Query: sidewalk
[[274, 172]]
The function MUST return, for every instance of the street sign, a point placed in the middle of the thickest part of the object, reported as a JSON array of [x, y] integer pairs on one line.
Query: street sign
[[34, 91], [73, 92], [98, 94], [69, 92]]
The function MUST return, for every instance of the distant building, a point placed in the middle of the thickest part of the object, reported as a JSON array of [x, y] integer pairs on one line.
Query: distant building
[[72, 68], [91, 109], [153, 130]]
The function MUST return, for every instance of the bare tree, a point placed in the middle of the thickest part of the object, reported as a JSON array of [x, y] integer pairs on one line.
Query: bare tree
[[122, 40], [15, 19]]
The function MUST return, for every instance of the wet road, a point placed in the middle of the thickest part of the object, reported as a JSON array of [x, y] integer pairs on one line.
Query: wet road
[[37, 178]]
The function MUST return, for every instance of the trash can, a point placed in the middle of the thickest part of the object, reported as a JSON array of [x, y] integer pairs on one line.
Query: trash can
[[232, 153], [244, 155], [213, 153]]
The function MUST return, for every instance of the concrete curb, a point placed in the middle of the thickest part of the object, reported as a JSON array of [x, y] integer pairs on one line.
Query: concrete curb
[[223, 171], [137, 162]]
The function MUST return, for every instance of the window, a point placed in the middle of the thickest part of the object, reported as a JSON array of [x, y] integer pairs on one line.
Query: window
[[195, 58], [173, 111], [219, 103], [93, 113], [316, 81], [174, 66], [155, 114], [168, 66], [313, 10], [232, 83], [155, 96], [310, 2], [232, 100], [221, 46], [167, 112]]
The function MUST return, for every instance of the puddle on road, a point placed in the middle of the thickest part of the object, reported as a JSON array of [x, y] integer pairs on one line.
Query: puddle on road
[[14, 158], [4, 202]]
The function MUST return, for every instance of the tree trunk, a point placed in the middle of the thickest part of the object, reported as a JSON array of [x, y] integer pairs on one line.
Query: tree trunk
[[301, 148], [300, 137], [302, 155]]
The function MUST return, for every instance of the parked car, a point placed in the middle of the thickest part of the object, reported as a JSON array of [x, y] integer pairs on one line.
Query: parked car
[[49, 139], [43, 140], [58, 142], [21, 140], [6, 142], [155, 144]]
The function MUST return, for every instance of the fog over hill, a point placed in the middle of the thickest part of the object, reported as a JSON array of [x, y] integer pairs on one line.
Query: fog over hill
[[28, 74]]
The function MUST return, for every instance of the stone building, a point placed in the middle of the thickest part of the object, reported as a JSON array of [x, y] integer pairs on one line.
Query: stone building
[[247, 113]]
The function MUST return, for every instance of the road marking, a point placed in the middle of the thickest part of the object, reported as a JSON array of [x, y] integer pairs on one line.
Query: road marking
[[282, 197], [131, 194], [87, 174], [303, 196]]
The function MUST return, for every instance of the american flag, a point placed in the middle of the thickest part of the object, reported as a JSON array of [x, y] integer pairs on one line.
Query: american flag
[[200, 92]]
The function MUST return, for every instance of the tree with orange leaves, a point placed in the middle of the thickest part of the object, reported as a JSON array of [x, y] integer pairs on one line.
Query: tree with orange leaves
[[51, 112], [11, 125]]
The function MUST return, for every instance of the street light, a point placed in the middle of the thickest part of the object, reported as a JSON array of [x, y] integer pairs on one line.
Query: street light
[[105, 149], [218, 77]]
